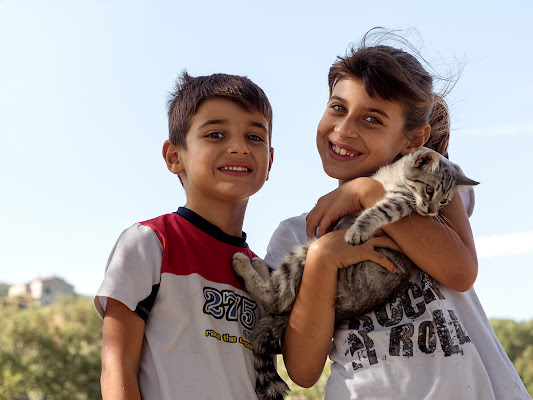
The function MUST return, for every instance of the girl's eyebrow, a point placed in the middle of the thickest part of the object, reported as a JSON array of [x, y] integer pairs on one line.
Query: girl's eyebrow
[[376, 110]]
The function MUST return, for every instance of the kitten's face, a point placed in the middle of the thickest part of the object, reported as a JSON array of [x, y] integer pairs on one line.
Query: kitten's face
[[431, 194], [434, 185]]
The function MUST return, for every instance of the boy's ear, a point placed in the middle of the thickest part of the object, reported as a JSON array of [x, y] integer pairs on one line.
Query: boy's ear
[[172, 156], [419, 138], [270, 161]]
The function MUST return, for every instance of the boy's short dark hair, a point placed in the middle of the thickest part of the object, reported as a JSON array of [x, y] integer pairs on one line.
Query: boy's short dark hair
[[190, 92]]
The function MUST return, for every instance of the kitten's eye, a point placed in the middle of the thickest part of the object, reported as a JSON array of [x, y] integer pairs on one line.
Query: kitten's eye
[[444, 202], [429, 189]]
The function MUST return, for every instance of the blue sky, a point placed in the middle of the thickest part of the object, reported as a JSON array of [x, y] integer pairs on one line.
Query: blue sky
[[83, 87]]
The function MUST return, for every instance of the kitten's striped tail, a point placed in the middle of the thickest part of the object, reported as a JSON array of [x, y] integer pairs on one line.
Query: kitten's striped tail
[[266, 336]]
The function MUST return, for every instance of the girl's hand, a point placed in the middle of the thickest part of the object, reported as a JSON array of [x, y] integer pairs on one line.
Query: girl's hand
[[350, 197], [332, 251]]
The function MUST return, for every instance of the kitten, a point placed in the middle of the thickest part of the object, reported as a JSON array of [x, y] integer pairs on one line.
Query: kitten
[[423, 182]]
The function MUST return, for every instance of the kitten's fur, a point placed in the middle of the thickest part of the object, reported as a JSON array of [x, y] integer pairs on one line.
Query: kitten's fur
[[422, 182]]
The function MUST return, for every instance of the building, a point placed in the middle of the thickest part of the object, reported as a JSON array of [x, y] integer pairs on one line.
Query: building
[[43, 291]]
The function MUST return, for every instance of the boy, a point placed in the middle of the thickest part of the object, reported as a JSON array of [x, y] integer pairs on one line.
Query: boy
[[176, 319]]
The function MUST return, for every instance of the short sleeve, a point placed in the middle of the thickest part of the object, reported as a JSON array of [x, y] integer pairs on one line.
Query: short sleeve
[[133, 269], [468, 198], [290, 233]]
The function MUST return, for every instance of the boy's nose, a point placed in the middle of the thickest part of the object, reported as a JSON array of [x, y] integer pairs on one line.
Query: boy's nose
[[238, 147]]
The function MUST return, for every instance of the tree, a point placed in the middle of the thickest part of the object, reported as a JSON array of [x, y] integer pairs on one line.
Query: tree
[[4, 289], [50, 352], [517, 341]]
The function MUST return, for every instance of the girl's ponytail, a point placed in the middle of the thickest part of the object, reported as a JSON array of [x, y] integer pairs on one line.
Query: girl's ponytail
[[439, 120]]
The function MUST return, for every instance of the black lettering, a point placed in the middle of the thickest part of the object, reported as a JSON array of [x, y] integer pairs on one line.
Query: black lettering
[[365, 347], [430, 288], [396, 313], [427, 340], [412, 310], [401, 334], [446, 340], [461, 334]]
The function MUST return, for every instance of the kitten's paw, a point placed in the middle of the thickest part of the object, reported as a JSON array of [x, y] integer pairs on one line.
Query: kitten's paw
[[241, 263], [355, 237], [261, 267]]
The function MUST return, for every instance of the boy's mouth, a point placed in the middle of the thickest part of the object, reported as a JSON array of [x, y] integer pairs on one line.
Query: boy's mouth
[[238, 169]]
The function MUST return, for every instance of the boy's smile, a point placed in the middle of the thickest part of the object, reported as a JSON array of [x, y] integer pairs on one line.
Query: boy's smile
[[358, 133], [228, 154]]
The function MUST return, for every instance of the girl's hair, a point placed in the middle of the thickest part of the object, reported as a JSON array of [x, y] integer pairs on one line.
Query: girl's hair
[[394, 74]]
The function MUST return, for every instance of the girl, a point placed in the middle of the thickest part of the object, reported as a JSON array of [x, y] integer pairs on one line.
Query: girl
[[434, 340]]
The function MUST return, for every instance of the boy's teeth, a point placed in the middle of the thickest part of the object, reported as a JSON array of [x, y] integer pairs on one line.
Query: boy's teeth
[[342, 152], [240, 169]]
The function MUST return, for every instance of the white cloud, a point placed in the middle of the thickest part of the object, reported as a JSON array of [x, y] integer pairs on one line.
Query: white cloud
[[511, 244], [503, 129]]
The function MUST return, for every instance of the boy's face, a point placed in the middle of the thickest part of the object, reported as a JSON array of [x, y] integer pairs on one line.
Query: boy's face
[[358, 134], [228, 153]]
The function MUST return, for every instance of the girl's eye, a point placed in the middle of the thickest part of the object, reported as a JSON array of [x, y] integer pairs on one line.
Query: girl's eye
[[372, 120], [338, 107], [256, 138], [216, 135]]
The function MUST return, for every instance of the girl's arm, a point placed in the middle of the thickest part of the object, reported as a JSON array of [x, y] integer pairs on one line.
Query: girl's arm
[[445, 250], [309, 331], [121, 352]]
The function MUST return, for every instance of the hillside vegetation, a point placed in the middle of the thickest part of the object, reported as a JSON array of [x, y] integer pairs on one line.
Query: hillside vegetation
[[53, 353]]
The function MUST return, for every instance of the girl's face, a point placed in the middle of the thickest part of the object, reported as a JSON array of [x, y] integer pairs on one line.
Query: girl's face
[[357, 133]]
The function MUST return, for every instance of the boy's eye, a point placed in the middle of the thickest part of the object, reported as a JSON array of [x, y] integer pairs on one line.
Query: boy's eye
[[216, 135], [256, 138]]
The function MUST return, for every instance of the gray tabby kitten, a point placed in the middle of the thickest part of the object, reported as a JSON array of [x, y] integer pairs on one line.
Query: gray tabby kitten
[[423, 182]]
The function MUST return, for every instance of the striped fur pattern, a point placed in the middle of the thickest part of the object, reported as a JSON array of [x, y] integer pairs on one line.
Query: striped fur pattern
[[421, 182]]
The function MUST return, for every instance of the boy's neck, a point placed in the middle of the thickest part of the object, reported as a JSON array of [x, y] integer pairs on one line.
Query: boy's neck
[[228, 217]]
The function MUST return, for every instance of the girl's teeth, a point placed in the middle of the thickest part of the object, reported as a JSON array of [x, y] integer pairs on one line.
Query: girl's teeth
[[340, 151]]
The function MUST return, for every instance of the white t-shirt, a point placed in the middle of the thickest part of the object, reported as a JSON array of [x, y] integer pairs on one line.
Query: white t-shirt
[[175, 272], [430, 342]]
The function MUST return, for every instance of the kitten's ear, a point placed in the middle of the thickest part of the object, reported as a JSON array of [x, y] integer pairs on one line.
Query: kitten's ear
[[462, 180], [427, 158]]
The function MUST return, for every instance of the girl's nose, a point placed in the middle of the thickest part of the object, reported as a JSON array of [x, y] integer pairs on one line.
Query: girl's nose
[[346, 128]]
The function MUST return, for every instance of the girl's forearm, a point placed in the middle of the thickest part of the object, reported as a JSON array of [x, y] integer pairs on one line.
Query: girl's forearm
[[309, 331], [445, 250]]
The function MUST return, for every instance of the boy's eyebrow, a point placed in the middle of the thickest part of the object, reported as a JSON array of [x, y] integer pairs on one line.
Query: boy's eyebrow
[[224, 121], [376, 110]]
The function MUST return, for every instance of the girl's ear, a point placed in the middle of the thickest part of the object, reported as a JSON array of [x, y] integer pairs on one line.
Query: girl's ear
[[419, 138], [172, 156]]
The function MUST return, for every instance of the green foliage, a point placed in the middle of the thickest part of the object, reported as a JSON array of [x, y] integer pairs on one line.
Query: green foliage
[[50, 352], [4, 288], [54, 353], [517, 341]]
